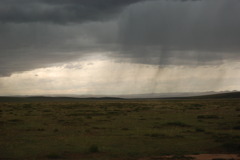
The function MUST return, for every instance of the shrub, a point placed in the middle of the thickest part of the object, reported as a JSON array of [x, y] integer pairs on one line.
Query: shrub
[[200, 130], [232, 147], [93, 149], [179, 124], [207, 117], [54, 156], [236, 127]]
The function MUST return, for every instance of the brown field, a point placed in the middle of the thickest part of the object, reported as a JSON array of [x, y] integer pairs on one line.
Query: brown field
[[144, 129]]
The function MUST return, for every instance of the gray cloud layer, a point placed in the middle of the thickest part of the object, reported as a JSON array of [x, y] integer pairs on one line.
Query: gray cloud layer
[[59, 11], [201, 30], [36, 33]]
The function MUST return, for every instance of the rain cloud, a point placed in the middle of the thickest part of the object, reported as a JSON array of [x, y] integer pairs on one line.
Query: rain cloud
[[39, 33]]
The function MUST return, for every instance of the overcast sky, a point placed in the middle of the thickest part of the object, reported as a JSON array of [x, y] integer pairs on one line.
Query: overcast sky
[[118, 47]]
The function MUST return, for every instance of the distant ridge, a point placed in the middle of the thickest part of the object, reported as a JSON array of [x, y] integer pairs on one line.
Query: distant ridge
[[227, 95], [197, 95], [221, 95], [46, 98]]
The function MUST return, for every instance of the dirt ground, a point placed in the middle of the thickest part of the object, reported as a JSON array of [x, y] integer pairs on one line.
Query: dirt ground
[[186, 157], [197, 157]]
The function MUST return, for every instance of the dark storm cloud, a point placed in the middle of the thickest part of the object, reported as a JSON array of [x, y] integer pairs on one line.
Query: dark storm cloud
[[37, 33], [199, 31], [24, 47], [59, 11]]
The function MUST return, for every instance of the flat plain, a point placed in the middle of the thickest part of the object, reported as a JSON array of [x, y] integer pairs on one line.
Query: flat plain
[[102, 129]]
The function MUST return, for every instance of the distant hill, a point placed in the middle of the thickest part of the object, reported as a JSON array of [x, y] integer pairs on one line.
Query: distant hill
[[165, 95], [226, 95], [221, 95], [43, 98], [210, 94], [187, 95]]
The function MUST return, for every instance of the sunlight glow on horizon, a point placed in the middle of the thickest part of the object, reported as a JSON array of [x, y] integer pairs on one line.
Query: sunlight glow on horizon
[[107, 77]]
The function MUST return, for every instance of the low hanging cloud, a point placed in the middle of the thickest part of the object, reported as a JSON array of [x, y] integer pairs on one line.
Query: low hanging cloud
[[38, 33]]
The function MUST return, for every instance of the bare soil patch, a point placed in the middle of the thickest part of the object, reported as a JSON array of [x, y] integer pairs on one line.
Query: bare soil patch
[[196, 157]]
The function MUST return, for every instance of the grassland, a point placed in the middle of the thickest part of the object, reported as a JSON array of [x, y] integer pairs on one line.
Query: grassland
[[117, 129]]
